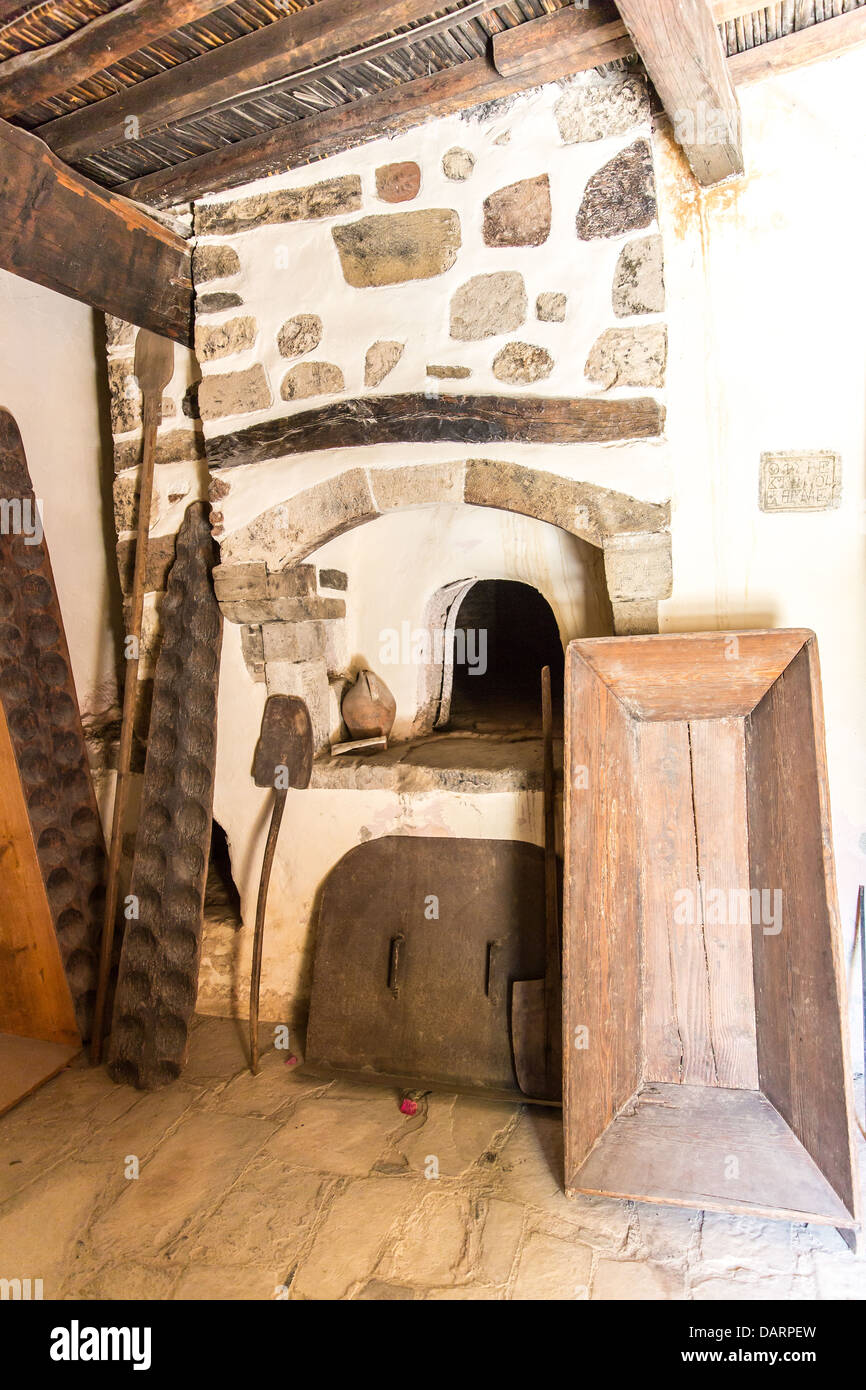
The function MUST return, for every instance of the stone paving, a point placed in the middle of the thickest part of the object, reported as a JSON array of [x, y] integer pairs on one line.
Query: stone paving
[[287, 1186]]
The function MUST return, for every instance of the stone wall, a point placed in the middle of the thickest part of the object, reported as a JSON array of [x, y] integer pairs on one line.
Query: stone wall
[[512, 252]]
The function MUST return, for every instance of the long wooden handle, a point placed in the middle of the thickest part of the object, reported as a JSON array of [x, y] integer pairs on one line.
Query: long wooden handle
[[552, 969], [151, 414], [258, 940]]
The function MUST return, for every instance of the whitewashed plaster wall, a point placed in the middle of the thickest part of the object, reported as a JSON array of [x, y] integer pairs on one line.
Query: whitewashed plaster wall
[[49, 374], [767, 350]]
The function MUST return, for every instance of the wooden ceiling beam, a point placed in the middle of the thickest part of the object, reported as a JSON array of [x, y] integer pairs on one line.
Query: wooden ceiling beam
[[682, 52], [571, 33], [60, 230], [312, 35], [828, 39], [576, 31], [41, 73]]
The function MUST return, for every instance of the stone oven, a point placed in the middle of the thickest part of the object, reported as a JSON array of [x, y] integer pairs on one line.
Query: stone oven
[[425, 371]]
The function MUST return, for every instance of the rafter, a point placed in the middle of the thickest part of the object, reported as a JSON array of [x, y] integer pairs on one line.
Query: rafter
[[313, 35], [43, 72], [829, 39]]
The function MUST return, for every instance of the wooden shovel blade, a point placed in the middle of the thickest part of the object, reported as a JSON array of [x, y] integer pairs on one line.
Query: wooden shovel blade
[[154, 362], [285, 741], [528, 1033]]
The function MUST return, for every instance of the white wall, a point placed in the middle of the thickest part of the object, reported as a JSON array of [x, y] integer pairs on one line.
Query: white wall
[[49, 375], [767, 350]]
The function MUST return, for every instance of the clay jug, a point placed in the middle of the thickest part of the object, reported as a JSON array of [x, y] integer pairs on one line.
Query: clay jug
[[368, 707]]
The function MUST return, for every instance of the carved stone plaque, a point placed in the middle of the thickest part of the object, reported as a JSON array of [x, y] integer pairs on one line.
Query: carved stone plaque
[[794, 480]]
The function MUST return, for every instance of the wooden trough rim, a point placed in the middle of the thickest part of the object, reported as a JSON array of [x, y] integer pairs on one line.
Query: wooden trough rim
[[666, 683]]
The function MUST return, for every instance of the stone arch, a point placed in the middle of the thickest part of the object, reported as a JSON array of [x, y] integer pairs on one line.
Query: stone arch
[[633, 534]]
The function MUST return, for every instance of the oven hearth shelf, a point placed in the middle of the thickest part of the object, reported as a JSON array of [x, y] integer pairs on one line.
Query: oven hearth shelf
[[451, 761]]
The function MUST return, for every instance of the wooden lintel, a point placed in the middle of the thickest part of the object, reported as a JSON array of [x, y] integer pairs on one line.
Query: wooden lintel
[[683, 54], [421, 418], [40, 73], [63, 231]]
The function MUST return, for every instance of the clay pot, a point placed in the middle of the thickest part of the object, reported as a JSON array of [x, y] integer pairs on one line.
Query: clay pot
[[369, 708]]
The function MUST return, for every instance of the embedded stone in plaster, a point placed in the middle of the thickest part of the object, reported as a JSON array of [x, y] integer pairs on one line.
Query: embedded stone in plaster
[[125, 397], [118, 333], [234, 393], [307, 641], [629, 356], [638, 278], [638, 566], [296, 581], [253, 651], [223, 339], [330, 198], [596, 110], [300, 334], [487, 305], [382, 358], [172, 446], [620, 196], [189, 403], [550, 307], [292, 529], [392, 247], [522, 363], [216, 302], [584, 509], [253, 609], [518, 215], [448, 373], [418, 485], [334, 579], [636, 618], [240, 580], [126, 501], [214, 263], [457, 164], [311, 379], [160, 558], [398, 183]]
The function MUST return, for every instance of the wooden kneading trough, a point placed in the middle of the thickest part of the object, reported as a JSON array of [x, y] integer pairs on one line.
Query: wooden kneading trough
[[706, 1048], [158, 977]]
